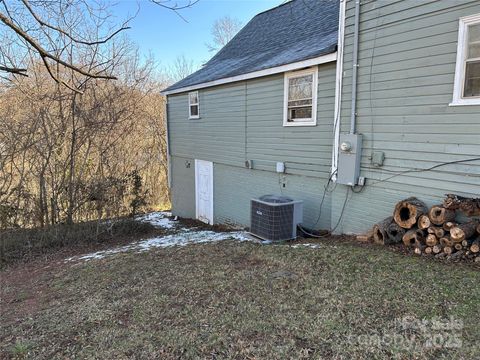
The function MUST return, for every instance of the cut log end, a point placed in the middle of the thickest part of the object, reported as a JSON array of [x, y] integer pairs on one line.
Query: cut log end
[[395, 233], [387, 232], [463, 231], [439, 232], [424, 222], [431, 240], [475, 247], [438, 215], [419, 248], [437, 249], [380, 235], [408, 211], [446, 241], [413, 237], [449, 225]]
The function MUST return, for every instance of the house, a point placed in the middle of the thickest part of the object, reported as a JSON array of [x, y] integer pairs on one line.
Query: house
[[349, 106]]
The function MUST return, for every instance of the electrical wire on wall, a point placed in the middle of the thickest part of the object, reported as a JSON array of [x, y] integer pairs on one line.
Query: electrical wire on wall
[[325, 191], [329, 232], [419, 170], [357, 189], [342, 211]]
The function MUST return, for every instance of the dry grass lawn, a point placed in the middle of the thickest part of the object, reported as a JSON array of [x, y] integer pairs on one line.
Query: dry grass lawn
[[234, 300]]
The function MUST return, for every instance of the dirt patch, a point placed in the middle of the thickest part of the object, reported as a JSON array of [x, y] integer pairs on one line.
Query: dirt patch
[[25, 287], [199, 225]]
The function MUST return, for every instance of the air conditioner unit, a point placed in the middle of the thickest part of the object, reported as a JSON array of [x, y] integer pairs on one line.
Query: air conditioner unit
[[275, 217]]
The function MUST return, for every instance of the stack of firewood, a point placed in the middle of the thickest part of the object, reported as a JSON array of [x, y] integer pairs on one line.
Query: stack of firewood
[[434, 231]]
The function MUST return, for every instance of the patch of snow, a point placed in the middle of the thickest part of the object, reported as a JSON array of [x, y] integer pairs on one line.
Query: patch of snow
[[311, 246], [182, 238], [159, 219], [190, 237]]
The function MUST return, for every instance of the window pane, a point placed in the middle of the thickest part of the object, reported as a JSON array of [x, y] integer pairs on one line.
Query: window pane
[[474, 33], [472, 79], [300, 103], [301, 80], [299, 113], [474, 51], [474, 41], [300, 88], [194, 98], [194, 110]]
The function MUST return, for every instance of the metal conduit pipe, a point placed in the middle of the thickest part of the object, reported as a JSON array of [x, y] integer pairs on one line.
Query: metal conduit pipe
[[353, 116]]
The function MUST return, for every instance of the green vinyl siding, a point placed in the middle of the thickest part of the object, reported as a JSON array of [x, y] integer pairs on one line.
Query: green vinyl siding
[[244, 121], [182, 173], [235, 186], [407, 57], [219, 134]]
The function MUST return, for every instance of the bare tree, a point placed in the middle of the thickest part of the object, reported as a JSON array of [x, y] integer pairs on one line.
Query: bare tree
[[181, 68], [46, 28], [223, 30], [68, 157]]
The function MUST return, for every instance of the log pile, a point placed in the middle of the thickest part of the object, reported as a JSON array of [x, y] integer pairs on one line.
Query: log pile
[[434, 231]]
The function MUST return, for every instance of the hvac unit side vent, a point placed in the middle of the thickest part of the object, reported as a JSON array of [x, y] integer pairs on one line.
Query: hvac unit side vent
[[275, 218]]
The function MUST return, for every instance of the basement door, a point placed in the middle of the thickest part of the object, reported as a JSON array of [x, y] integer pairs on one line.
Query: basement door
[[204, 191]]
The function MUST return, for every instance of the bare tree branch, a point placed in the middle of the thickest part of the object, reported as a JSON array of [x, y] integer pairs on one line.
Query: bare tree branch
[[16, 71], [175, 8], [223, 30], [181, 68], [67, 34], [44, 54], [48, 29]]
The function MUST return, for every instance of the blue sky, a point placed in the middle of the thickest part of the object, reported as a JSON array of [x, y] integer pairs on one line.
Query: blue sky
[[166, 35]]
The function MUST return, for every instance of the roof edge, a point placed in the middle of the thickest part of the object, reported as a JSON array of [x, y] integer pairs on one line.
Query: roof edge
[[256, 74]]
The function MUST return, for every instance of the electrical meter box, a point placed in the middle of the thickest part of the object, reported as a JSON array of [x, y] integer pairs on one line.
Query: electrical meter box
[[349, 155]]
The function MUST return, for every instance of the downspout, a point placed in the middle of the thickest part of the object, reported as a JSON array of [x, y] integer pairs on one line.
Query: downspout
[[353, 115], [338, 89]]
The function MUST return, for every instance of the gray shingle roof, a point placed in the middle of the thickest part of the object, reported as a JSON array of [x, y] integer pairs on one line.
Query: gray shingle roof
[[295, 31]]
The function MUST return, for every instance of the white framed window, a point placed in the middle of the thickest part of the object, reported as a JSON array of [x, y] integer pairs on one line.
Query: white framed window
[[300, 98], [193, 105], [467, 72]]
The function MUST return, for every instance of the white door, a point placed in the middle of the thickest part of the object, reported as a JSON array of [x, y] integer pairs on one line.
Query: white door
[[204, 190]]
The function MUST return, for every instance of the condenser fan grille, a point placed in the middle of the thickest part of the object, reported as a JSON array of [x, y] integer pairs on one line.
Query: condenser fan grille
[[275, 218]]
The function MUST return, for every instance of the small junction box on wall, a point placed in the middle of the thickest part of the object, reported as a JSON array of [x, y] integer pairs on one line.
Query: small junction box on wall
[[349, 156]]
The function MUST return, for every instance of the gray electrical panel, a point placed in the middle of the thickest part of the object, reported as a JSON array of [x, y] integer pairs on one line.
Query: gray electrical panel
[[349, 155]]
